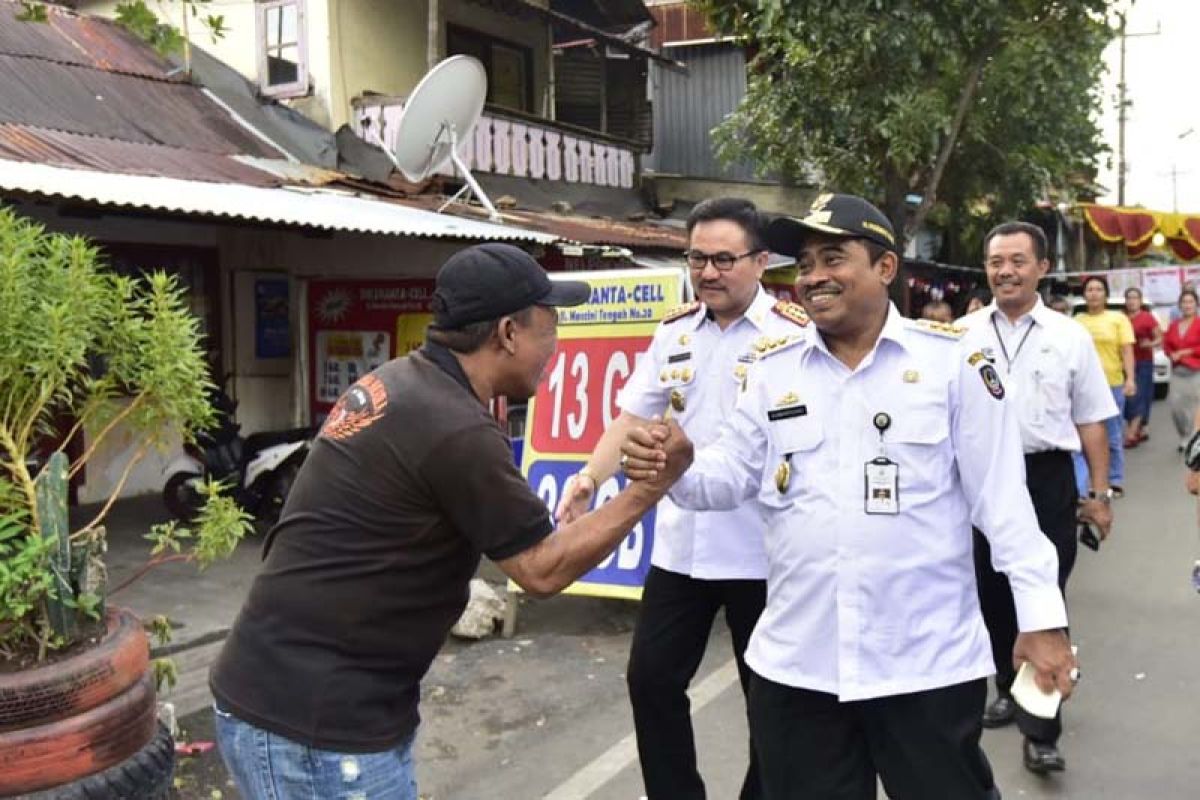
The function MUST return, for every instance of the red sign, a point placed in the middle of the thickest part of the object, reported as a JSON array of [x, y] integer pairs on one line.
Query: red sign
[[578, 399], [356, 326]]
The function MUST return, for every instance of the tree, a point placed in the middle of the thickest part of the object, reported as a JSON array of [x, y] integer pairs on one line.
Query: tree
[[83, 349], [986, 104]]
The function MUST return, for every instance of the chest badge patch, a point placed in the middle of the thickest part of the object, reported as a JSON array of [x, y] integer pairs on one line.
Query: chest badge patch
[[678, 402], [991, 380]]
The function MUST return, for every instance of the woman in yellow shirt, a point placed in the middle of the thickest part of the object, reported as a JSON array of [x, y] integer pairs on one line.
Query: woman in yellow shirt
[[1113, 337]]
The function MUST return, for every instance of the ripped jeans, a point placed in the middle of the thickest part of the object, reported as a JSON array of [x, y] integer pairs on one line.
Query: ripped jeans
[[267, 766]]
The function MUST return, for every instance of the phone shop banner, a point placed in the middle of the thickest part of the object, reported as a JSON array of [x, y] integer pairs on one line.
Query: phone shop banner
[[599, 344], [357, 325]]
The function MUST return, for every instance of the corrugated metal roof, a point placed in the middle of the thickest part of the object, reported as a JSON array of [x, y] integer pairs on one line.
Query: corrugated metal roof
[[85, 41], [57, 148], [89, 101], [314, 208], [573, 228], [687, 108], [587, 230]]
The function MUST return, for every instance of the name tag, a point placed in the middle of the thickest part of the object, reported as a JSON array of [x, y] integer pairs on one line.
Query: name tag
[[776, 414], [678, 357]]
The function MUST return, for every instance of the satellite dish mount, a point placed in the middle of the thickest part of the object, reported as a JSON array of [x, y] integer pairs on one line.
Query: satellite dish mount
[[443, 109]]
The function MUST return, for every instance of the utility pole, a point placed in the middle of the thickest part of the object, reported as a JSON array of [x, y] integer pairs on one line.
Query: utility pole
[[1122, 103]]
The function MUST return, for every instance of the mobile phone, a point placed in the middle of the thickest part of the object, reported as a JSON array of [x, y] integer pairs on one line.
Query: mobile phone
[[1088, 537]]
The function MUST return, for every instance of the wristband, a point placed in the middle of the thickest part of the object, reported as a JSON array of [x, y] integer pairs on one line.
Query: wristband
[[584, 472]]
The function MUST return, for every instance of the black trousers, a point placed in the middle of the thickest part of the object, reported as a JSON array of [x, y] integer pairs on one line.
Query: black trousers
[[923, 746], [673, 625], [1051, 480]]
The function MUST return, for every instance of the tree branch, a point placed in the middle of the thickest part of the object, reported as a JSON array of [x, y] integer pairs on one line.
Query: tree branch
[[149, 565], [116, 420], [16, 466], [965, 97], [137, 457]]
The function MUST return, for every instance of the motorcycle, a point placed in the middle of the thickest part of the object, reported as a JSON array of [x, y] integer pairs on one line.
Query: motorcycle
[[260, 467]]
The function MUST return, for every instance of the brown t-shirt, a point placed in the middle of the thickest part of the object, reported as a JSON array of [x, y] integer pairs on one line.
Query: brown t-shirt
[[408, 482]]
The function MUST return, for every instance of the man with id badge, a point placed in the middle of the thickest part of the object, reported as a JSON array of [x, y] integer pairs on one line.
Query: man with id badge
[[1061, 399], [701, 564], [872, 447]]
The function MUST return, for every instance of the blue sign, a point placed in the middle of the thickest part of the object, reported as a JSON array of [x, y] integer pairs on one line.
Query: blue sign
[[272, 318], [624, 571]]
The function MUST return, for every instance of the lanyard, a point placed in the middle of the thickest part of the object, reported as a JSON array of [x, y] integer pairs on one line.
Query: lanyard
[[1000, 339]]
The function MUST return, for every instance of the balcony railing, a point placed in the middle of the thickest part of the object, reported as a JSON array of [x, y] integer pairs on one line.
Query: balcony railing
[[507, 143]]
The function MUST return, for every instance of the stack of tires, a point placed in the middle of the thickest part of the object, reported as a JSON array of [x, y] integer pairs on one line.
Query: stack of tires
[[86, 726]]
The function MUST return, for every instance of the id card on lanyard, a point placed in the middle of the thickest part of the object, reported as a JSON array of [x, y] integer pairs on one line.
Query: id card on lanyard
[[881, 484]]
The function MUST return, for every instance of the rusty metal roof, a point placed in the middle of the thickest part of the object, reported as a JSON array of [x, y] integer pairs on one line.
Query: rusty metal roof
[[639, 234], [62, 149], [89, 112], [590, 230], [67, 38]]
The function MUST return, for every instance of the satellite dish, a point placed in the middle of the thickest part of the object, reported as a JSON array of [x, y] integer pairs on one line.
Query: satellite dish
[[440, 112]]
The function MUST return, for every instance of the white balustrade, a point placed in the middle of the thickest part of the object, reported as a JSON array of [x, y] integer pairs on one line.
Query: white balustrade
[[517, 147]]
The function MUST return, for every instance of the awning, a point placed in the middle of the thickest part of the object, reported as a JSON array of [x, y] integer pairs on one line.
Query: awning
[[1137, 227], [324, 207]]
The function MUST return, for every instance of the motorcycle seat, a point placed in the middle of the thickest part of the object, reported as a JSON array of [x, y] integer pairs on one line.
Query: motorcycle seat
[[257, 442]]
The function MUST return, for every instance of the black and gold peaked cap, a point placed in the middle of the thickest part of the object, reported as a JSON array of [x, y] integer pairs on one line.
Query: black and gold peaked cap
[[836, 215]]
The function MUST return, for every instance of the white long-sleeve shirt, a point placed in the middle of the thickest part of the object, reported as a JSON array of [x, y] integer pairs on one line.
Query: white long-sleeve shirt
[[862, 605], [1050, 368], [692, 355]]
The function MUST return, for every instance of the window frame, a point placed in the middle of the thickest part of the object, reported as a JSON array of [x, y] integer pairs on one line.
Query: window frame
[[489, 43], [300, 86]]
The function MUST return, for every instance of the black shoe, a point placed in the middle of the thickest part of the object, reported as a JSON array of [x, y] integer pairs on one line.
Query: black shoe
[[1043, 758], [1001, 712]]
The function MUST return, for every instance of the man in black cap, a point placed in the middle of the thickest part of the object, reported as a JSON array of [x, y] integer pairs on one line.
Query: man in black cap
[[872, 447], [409, 481]]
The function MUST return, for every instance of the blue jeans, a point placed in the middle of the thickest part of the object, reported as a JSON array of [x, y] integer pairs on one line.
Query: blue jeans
[[1138, 406], [1115, 428], [267, 766]]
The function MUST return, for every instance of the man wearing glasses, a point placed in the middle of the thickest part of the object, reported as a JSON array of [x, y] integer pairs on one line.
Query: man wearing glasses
[[701, 562]]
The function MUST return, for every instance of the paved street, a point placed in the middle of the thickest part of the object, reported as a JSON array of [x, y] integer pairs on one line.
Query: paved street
[[545, 714]]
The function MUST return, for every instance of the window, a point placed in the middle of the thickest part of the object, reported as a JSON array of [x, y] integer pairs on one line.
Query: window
[[509, 66], [282, 48]]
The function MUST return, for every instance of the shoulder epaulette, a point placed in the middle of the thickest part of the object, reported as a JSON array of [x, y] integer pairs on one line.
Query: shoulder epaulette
[[792, 312], [943, 329], [766, 346], [679, 312]]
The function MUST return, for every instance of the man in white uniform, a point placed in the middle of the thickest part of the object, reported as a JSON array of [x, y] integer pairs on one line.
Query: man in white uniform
[[873, 446], [694, 370], [1061, 398]]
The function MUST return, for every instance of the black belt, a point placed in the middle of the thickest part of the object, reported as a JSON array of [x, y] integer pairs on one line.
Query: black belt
[[1047, 455]]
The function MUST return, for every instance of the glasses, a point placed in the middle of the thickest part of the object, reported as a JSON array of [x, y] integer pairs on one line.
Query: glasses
[[722, 261]]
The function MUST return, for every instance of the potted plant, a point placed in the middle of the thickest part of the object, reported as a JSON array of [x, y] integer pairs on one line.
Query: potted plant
[[85, 352]]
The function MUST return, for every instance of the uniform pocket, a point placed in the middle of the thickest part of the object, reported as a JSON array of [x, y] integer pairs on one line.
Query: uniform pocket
[[796, 435]]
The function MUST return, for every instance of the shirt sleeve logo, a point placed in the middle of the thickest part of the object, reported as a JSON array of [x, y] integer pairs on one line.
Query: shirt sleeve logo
[[356, 409]]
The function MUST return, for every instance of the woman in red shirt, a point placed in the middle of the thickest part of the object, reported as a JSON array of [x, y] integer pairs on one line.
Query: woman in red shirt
[[1147, 335], [1182, 345]]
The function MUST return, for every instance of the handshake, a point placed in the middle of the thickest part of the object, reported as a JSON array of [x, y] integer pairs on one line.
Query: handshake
[[653, 456], [658, 453]]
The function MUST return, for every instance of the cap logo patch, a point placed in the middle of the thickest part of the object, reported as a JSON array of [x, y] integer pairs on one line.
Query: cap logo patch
[[882, 231], [819, 217], [822, 200]]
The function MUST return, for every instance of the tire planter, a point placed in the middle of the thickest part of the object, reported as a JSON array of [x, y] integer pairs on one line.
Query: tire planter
[[81, 716]]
